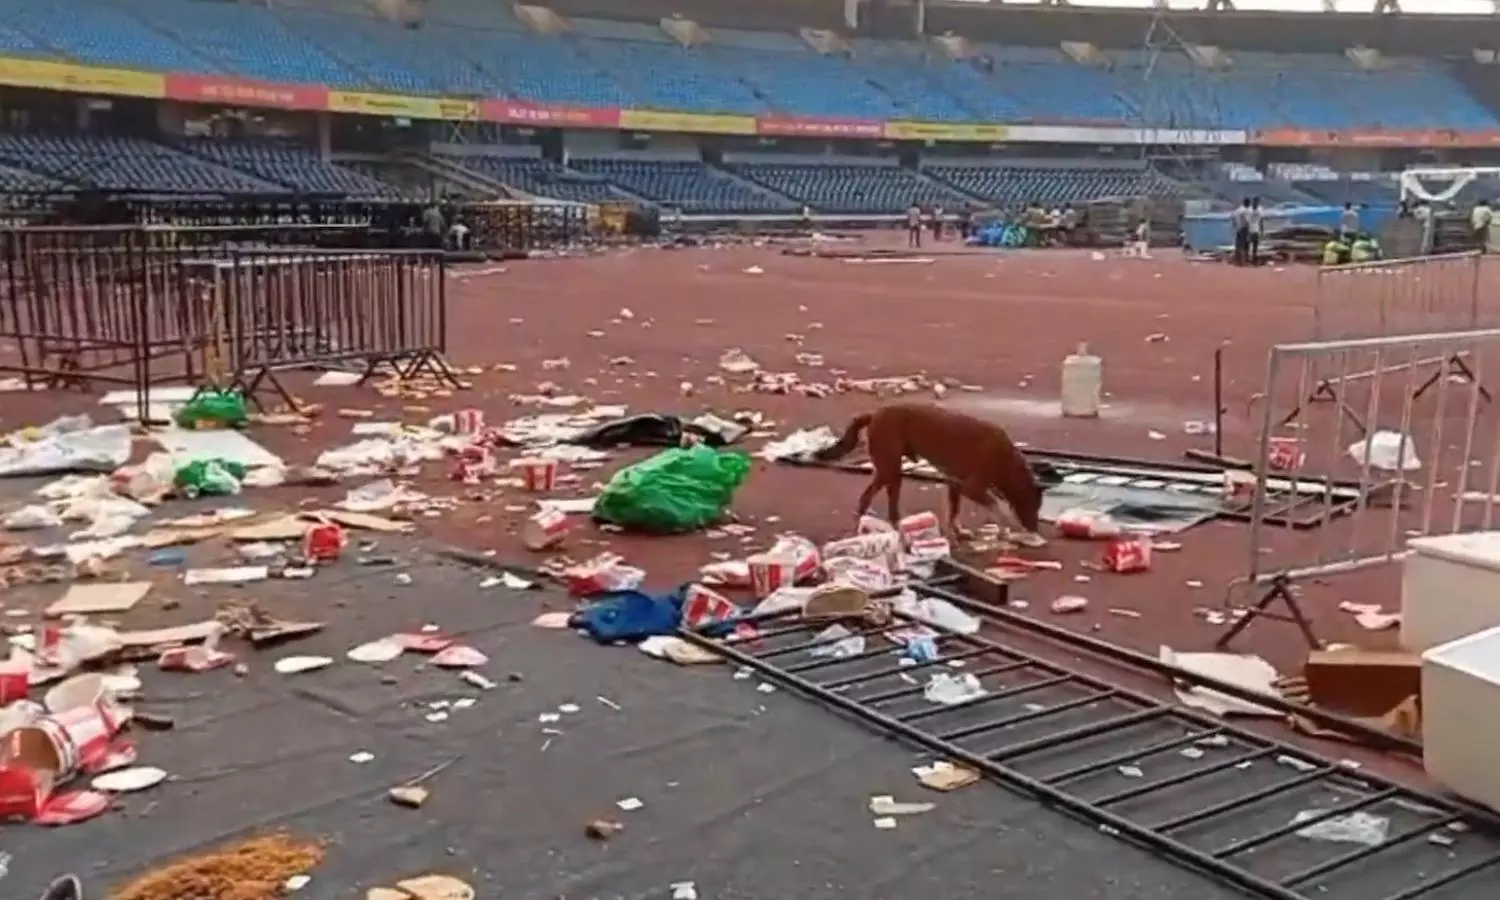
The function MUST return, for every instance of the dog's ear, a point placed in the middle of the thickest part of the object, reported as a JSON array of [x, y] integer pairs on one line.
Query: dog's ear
[[67, 887]]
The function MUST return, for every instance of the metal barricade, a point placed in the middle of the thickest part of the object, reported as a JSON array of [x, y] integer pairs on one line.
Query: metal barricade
[[1415, 470], [138, 306], [1390, 298]]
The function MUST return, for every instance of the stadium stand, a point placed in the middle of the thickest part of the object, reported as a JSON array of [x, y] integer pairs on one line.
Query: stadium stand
[[1051, 182], [115, 163], [849, 186], [288, 165], [687, 185], [542, 178], [482, 49]]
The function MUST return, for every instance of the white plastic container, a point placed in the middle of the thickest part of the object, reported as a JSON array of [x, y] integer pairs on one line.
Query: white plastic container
[[1082, 384], [1461, 716], [1450, 588]]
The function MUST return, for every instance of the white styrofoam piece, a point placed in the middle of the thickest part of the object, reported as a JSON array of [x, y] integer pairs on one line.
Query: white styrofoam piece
[[1450, 588], [216, 444], [156, 412], [1461, 716], [181, 393]]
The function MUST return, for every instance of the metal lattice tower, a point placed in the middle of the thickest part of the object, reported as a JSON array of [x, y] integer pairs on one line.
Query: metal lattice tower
[[1167, 104]]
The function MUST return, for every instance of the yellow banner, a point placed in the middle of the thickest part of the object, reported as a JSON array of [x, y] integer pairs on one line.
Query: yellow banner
[[54, 76], [652, 120], [401, 106], [945, 131]]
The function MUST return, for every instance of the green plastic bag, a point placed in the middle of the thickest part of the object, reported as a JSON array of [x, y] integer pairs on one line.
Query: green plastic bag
[[209, 478], [215, 408], [677, 490]]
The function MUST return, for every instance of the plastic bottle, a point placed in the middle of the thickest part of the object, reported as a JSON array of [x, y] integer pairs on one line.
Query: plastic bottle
[[1082, 384]]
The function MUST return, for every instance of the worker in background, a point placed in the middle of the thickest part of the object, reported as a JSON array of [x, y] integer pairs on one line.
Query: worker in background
[[1363, 249], [1239, 223], [914, 226], [1480, 220], [1348, 222], [1257, 225], [937, 222]]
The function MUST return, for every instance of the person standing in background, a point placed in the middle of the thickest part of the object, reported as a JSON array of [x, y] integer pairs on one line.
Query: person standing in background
[[914, 226], [1480, 219], [1348, 222], [1239, 222], [1257, 224]]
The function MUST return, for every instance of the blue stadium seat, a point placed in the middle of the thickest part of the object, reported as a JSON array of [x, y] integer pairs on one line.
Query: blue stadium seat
[[406, 60], [19, 181], [111, 163], [289, 165], [98, 34], [672, 77], [244, 40], [1051, 183], [543, 178], [848, 187], [687, 185]]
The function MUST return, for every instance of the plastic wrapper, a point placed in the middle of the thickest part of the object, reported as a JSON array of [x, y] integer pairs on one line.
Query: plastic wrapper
[[214, 408], [209, 478]]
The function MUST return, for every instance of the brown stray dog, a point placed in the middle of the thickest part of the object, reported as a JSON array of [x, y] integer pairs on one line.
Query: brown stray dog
[[976, 457]]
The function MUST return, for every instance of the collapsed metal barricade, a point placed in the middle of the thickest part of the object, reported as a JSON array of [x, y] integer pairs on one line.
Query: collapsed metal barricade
[[1390, 298], [140, 306], [1421, 469], [1260, 815], [515, 226]]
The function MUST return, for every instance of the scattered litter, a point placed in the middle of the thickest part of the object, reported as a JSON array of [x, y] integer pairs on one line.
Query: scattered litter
[[294, 665], [945, 776], [362, 756], [1354, 828], [124, 781], [376, 652], [1249, 672], [951, 690], [886, 805], [630, 804]]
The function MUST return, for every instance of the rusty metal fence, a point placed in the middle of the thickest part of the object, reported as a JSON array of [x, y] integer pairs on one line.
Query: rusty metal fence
[[1390, 298], [1415, 469], [140, 306]]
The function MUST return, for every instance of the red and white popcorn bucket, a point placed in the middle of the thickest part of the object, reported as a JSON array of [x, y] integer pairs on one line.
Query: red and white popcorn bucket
[[702, 606], [473, 463], [545, 530], [873, 525], [1239, 484], [1086, 524], [882, 546], [538, 475], [806, 561], [468, 421], [867, 575], [920, 526], [15, 681], [602, 574], [324, 542], [1285, 454], [930, 549], [769, 573], [728, 573], [1128, 555]]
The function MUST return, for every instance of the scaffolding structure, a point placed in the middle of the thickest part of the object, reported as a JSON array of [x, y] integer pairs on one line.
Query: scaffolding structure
[[1164, 107]]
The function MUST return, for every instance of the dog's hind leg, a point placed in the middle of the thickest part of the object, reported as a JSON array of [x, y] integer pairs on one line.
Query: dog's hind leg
[[955, 494], [867, 496], [893, 494]]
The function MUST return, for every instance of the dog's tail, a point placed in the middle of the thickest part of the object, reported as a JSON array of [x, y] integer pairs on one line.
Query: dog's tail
[[848, 442]]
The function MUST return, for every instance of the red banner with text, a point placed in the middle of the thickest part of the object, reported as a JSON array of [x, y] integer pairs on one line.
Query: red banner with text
[[232, 91]]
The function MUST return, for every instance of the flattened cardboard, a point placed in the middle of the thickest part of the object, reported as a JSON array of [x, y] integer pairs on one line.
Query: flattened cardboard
[[175, 634], [281, 528], [93, 598], [362, 521]]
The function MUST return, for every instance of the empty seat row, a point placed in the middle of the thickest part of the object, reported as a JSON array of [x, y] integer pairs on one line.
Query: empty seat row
[[470, 49]]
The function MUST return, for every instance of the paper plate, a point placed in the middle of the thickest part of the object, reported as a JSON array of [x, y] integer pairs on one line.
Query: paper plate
[[459, 657], [291, 665], [436, 887], [377, 652], [126, 781], [421, 643]]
